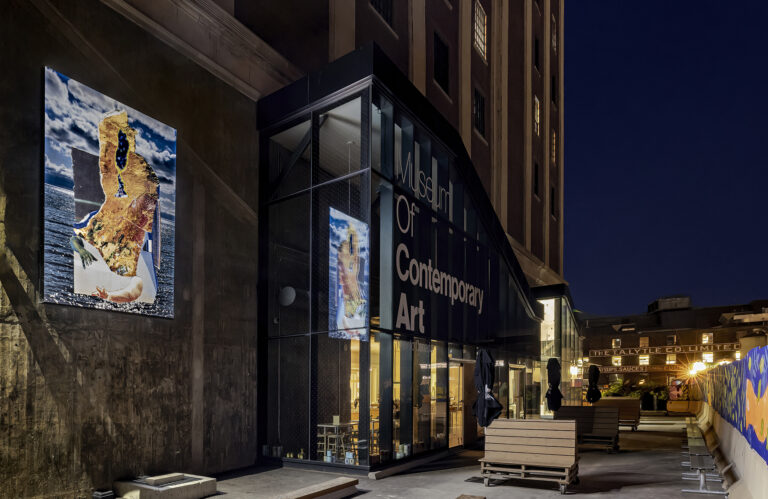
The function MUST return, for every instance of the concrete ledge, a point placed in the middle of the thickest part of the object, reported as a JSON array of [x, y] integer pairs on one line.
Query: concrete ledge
[[393, 470], [181, 486], [332, 489]]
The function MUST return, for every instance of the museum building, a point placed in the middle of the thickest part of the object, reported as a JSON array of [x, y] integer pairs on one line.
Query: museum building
[[364, 173], [317, 262]]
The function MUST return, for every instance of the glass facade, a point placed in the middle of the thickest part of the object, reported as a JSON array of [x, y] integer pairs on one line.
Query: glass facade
[[381, 283], [560, 340]]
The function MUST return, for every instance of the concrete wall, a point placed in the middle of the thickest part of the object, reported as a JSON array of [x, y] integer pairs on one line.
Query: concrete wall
[[88, 396], [751, 469]]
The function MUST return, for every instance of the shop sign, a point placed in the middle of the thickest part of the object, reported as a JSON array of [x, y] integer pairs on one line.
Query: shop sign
[[712, 347], [638, 369]]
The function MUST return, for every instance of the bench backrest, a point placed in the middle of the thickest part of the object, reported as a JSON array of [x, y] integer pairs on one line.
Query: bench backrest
[[591, 420], [629, 408], [540, 442]]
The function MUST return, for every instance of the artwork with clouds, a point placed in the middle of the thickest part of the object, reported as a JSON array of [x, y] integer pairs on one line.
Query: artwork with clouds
[[348, 277], [109, 203]]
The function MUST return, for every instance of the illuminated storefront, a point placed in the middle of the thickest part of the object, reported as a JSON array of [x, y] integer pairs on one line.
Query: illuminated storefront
[[385, 269], [560, 340]]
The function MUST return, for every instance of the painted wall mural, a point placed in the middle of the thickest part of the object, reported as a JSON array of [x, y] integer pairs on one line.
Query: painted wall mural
[[737, 391], [109, 198]]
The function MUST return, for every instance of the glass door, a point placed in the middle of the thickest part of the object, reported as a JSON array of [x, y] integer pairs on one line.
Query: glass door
[[456, 403], [516, 393]]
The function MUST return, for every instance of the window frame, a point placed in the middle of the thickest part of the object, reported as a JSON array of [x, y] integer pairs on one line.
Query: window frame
[[435, 38], [477, 93], [479, 37], [377, 5], [616, 360], [536, 115]]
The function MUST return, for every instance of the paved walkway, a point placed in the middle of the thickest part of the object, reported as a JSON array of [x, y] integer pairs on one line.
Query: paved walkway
[[648, 465]]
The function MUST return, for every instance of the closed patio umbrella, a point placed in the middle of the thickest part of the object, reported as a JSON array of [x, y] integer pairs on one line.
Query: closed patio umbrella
[[593, 393], [486, 408], [554, 396]]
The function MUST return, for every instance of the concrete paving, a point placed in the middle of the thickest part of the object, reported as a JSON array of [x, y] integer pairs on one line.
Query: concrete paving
[[648, 465]]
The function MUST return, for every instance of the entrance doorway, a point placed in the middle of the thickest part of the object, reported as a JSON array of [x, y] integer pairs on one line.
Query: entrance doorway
[[462, 429], [517, 392]]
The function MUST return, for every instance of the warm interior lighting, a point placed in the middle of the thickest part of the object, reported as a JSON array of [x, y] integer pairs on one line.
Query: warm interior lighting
[[574, 370]]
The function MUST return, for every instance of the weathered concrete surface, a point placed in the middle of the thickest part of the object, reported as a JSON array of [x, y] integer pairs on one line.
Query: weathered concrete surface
[[648, 465], [88, 396]]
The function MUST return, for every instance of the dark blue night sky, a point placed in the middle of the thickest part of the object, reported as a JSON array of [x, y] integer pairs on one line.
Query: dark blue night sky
[[665, 151]]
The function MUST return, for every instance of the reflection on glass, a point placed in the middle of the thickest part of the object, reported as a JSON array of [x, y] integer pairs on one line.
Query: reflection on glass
[[339, 141], [289, 160], [421, 396], [375, 393], [438, 394], [456, 403], [401, 394]]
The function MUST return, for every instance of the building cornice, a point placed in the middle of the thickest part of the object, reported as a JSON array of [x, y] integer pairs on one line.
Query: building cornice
[[207, 34]]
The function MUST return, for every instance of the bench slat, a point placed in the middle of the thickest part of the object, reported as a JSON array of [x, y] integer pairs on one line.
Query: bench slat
[[537, 459], [531, 449], [552, 442]]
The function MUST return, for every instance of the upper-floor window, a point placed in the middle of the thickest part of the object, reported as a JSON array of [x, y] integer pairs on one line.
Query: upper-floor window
[[737, 355], [481, 29], [708, 357], [671, 340], [384, 8], [552, 202], [441, 64], [553, 149], [643, 341], [553, 89], [536, 53], [644, 360], [707, 338], [616, 360], [671, 358], [616, 343], [478, 112], [554, 34], [536, 178], [536, 115]]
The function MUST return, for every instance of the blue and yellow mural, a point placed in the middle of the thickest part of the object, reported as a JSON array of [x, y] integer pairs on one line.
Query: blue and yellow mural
[[737, 391]]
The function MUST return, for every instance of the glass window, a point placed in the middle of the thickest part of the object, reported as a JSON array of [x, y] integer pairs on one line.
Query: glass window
[[553, 89], [706, 338], [337, 392], [288, 398], [290, 160], [643, 341], [422, 400], [708, 357], [553, 31], [441, 62], [671, 340], [381, 136], [737, 355], [536, 116], [536, 53], [478, 113], [553, 201], [616, 343], [644, 360], [671, 358], [438, 395], [402, 394], [339, 137], [536, 179], [553, 149], [481, 28], [384, 8], [616, 360], [289, 264]]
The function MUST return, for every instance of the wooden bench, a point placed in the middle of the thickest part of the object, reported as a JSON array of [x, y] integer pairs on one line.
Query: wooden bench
[[531, 449], [595, 426], [629, 409]]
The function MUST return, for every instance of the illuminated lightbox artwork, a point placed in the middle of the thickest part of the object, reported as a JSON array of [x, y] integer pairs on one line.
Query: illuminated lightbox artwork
[[348, 277], [109, 203]]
